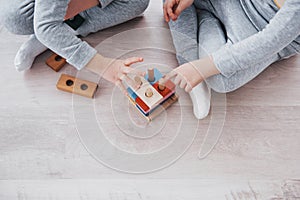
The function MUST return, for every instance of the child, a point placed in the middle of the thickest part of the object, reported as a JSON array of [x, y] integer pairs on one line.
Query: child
[[224, 44], [44, 21]]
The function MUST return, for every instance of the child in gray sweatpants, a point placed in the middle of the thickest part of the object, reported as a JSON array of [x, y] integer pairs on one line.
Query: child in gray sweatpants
[[43, 20], [229, 42]]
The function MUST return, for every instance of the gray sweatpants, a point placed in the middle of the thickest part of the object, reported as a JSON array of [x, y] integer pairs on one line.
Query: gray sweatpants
[[207, 26]]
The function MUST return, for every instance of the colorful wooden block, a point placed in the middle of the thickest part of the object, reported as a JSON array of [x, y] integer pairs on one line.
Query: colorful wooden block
[[162, 107], [150, 101], [157, 76], [169, 88], [56, 62], [131, 94], [151, 98], [142, 106], [151, 77], [77, 86]]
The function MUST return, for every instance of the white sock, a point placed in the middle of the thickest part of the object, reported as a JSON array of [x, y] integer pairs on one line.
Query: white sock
[[27, 53], [201, 95]]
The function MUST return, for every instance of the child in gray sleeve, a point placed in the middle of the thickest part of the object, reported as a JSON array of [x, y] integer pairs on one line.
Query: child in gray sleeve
[[44, 21], [224, 44]]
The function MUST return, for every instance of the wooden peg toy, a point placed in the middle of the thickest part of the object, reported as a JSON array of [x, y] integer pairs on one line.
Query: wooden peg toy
[[156, 75], [56, 62], [162, 107], [138, 80], [77, 86], [149, 93], [152, 97], [151, 76], [161, 86]]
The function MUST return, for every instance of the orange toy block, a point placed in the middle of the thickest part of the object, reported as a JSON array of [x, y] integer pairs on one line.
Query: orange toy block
[[56, 62]]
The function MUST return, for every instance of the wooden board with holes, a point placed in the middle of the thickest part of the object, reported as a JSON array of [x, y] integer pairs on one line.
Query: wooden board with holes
[[77, 86], [56, 62]]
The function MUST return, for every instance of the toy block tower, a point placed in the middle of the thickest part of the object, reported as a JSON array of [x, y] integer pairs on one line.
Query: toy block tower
[[151, 97]]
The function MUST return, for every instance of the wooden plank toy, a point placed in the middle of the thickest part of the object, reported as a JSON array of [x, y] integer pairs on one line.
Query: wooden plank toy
[[151, 97], [56, 62], [77, 86]]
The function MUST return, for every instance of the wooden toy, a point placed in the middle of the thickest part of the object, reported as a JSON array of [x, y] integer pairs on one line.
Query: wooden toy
[[56, 62], [77, 86], [151, 76], [162, 107], [151, 97]]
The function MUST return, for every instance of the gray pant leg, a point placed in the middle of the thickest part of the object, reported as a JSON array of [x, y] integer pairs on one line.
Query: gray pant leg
[[220, 83], [117, 12], [211, 34], [211, 38], [184, 33], [17, 16]]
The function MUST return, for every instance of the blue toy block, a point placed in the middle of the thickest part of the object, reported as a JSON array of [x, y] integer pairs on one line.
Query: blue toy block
[[131, 94], [157, 76]]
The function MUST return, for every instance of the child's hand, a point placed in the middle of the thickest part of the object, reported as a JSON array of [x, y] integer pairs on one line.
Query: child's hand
[[173, 8], [117, 71], [191, 74], [186, 76]]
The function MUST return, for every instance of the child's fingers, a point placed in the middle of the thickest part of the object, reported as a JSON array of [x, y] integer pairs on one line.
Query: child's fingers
[[135, 85], [177, 80], [188, 88], [169, 76], [120, 85], [171, 14], [170, 11], [129, 70], [132, 60], [166, 13], [179, 9], [182, 84]]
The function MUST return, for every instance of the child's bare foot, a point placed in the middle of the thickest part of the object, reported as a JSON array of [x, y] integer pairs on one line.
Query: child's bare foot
[[27, 53]]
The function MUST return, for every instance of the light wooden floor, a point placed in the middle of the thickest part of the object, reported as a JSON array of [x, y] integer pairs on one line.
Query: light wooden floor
[[41, 156]]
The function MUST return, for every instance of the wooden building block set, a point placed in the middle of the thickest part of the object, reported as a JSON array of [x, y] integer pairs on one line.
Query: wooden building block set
[[151, 97]]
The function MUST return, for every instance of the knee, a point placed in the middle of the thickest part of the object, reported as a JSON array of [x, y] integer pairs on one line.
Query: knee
[[220, 84], [140, 6], [16, 22]]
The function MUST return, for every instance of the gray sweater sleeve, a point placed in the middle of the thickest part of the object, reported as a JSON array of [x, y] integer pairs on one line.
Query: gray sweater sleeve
[[50, 30], [280, 32]]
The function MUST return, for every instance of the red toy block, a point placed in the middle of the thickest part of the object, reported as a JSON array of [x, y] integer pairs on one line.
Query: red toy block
[[169, 88], [142, 105]]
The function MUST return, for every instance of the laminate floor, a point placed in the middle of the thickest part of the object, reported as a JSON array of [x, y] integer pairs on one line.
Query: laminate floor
[[249, 144]]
